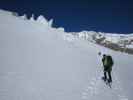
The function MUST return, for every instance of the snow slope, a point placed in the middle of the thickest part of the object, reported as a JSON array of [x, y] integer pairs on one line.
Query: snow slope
[[38, 62]]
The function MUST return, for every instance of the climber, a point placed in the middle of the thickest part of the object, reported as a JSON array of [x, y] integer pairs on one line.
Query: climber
[[107, 66]]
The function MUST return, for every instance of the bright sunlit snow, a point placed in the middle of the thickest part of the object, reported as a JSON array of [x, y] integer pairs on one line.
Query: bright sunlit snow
[[38, 62]]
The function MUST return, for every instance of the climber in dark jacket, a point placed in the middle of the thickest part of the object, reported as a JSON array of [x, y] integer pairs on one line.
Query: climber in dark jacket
[[107, 64]]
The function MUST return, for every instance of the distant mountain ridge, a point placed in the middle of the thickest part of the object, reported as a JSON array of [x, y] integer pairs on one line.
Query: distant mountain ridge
[[118, 42]]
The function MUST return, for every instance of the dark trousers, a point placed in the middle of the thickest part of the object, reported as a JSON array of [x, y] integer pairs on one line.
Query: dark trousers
[[109, 75]]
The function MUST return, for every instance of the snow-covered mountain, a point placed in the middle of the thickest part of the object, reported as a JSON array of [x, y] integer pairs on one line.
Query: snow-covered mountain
[[39, 62], [118, 42]]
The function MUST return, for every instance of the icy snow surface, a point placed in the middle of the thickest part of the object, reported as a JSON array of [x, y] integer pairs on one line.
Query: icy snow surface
[[38, 62]]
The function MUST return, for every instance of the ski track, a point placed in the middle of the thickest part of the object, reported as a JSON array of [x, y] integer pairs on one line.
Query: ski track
[[95, 85]]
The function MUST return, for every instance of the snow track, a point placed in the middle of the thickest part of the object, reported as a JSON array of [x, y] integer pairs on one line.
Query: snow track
[[97, 88]]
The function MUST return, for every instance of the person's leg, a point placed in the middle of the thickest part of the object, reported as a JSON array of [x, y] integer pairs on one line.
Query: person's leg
[[109, 74], [105, 76]]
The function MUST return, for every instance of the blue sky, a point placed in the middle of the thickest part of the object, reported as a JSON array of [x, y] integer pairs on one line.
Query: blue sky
[[114, 16]]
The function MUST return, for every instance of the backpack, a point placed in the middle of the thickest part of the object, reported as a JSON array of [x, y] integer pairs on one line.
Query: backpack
[[109, 60]]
